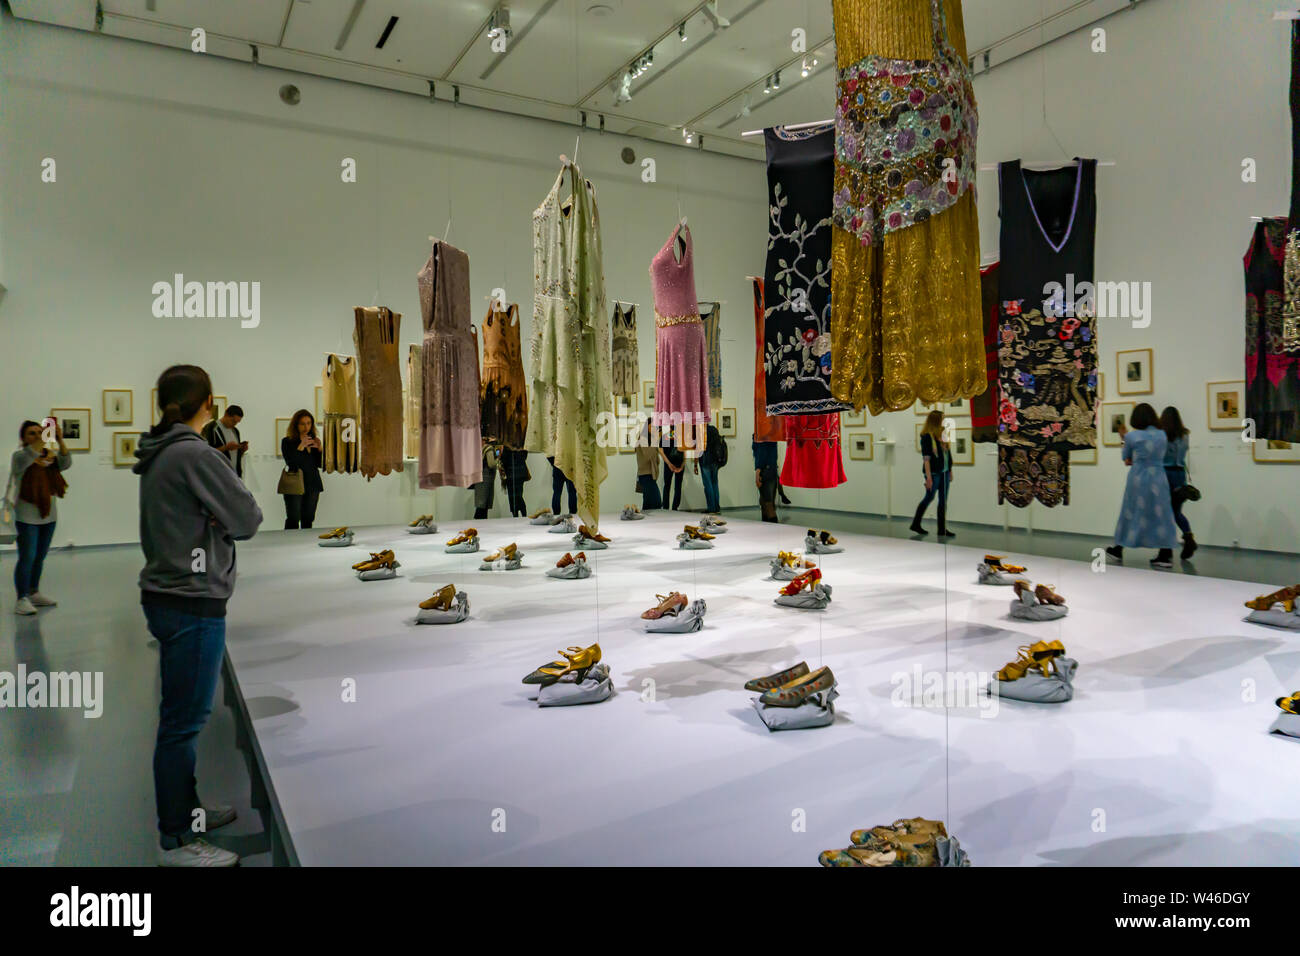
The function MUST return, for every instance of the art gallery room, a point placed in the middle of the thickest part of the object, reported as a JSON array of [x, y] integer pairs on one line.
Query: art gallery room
[[371, 497]]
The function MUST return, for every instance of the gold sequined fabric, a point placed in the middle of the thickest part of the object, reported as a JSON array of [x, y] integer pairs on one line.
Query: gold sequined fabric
[[663, 321], [906, 320], [1291, 289]]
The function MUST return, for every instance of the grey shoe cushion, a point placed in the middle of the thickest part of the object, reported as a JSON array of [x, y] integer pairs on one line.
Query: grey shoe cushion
[[343, 542], [988, 575], [1037, 612], [1277, 618], [465, 547], [423, 529], [691, 618], [1037, 689], [782, 573], [950, 852], [587, 544], [686, 543], [501, 564], [1288, 724], [630, 515], [542, 519], [713, 528], [817, 711], [379, 574], [596, 687], [572, 572], [458, 612], [563, 526], [815, 546], [813, 600]]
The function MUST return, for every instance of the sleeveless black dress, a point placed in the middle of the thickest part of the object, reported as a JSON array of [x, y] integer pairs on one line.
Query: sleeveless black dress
[[1047, 355]]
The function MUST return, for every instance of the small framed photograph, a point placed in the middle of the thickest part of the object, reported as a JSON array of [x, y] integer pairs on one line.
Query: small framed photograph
[[1114, 414], [1135, 373], [124, 445], [1101, 385], [219, 405], [75, 423], [963, 447], [1083, 456], [726, 421], [1225, 403], [1266, 451], [281, 430], [648, 394], [957, 408], [862, 446], [856, 419], [118, 408]]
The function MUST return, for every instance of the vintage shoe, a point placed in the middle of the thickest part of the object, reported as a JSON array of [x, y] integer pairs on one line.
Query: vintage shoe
[[995, 562], [336, 533], [441, 600], [1021, 586], [673, 602], [1290, 704], [1017, 668], [800, 689], [381, 559], [538, 514], [537, 677], [1286, 597], [422, 520], [565, 561], [698, 534], [591, 535], [466, 535], [826, 538], [779, 678], [1046, 595], [716, 519], [805, 580], [577, 661], [509, 552]]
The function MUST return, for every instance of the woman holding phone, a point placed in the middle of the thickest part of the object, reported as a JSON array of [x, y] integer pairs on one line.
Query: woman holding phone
[[301, 450], [35, 481]]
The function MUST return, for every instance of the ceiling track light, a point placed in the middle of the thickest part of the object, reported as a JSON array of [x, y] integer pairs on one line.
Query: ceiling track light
[[776, 80], [767, 85], [681, 31], [499, 24], [804, 68]]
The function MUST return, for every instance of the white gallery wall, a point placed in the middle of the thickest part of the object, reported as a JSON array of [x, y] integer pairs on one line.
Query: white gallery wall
[[1185, 91], [171, 162]]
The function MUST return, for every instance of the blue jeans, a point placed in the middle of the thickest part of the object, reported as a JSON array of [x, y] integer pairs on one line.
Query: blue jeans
[[938, 486], [649, 489], [1178, 479], [33, 545], [190, 649], [709, 476]]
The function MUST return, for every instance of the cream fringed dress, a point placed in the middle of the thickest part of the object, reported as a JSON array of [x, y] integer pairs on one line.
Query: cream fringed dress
[[905, 284], [570, 383], [339, 431]]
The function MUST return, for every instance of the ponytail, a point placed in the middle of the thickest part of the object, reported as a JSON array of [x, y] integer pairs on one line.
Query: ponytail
[[182, 391]]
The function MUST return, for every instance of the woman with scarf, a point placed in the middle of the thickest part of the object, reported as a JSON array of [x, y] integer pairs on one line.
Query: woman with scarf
[[35, 480]]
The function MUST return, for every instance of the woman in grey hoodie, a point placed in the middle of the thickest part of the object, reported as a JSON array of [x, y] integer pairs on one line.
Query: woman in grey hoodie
[[193, 508]]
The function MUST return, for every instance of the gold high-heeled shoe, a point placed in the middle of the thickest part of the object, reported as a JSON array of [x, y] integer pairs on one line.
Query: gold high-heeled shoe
[[696, 533], [336, 533], [1290, 705], [423, 519], [464, 536], [670, 603], [1046, 595], [577, 662], [381, 559], [591, 535], [1286, 597], [537, 677], [441, 600], [509, 552], [995, 562]]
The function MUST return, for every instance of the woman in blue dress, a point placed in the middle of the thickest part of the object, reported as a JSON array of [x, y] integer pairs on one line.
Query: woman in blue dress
[[1146, 517]]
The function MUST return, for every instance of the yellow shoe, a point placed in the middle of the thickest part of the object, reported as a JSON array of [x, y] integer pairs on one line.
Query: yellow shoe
[[441, 600], [577, 662], [336, 533], [464, 536]]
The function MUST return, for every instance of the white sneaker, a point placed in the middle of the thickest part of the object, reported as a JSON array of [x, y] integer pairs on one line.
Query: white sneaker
[[198, 853], [217, 815], [40, 600], [24, 606]]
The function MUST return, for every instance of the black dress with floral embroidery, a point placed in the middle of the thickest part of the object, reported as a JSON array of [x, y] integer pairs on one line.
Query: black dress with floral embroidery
[[796, 280], [1272, 375]]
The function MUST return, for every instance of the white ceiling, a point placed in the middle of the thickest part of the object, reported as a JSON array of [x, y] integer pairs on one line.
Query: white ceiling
[[564, 53]]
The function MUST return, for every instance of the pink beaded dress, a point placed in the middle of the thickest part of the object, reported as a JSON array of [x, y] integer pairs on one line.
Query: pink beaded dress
[[681, 352]]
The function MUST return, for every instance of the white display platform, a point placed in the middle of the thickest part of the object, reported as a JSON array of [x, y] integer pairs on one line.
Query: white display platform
[[1157, 761]]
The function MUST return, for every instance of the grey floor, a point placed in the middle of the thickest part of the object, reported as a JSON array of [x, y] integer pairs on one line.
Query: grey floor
[[76, 791]]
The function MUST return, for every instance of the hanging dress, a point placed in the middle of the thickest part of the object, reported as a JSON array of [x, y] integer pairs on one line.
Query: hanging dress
[[625, 363], [713, 345], [504, 397], [569, 387], [1047, 327], [984, 406], [681, 352], [905, 294], [375, 334], [812, 452], [451, 452], [414, 399], [766, 427], [339, 397], [1290, 343], [1272, 375], [797, 275]]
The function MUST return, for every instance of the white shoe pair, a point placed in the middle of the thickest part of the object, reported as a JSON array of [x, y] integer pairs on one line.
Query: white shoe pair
[[200, 852], [29, 604]]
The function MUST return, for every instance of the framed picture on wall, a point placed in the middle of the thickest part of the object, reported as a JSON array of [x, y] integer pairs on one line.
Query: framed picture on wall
[[963, 447], [118, 408], [1101, 386], [282, 429], [124, 445], [856, 419], [1114, 414], [1266, 451], [1135, 373], [862, 446], [1083, 456], [1225, 403], [648, 394], [726, 421], [75, 423], [219, 405], [957, 408]]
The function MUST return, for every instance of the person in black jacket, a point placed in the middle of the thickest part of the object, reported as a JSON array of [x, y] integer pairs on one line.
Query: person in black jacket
[[711, 459], [301, 450], [223, 435]]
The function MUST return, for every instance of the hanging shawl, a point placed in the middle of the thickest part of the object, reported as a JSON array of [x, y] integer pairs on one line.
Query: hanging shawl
[[40, 485], [570, 381]]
